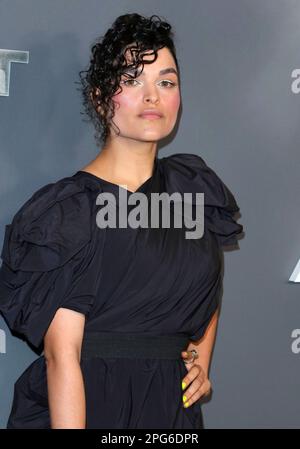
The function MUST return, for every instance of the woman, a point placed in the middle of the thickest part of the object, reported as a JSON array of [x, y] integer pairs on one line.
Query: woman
[[126, 315]]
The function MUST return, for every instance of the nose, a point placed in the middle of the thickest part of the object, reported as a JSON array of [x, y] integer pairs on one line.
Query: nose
[[151, 95]]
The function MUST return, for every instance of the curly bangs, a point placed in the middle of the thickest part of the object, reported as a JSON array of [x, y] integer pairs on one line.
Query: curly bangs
[[131, 33]]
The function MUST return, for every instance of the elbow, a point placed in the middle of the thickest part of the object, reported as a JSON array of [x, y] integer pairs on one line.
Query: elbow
[[61, 357]]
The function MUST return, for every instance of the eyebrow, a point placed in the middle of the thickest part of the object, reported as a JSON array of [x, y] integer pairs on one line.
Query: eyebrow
[[161, 72], [168, 70]]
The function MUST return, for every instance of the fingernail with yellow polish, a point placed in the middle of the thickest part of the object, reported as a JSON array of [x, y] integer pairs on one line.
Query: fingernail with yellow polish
[[184, 398], [183, 385], [186, 404]]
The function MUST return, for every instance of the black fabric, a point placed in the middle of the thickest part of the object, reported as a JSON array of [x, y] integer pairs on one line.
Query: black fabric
[[133, 345], [144, 280]]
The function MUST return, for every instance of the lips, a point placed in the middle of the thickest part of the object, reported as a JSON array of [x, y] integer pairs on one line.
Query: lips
[[150, 114]]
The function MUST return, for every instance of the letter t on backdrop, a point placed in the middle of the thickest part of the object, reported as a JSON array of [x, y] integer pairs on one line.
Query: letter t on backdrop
[[6, 58]]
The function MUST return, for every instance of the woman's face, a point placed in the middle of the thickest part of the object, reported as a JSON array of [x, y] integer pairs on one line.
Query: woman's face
[[150, 90]]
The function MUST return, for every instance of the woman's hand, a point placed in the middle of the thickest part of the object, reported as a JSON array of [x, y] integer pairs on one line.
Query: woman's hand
[[196, 380]]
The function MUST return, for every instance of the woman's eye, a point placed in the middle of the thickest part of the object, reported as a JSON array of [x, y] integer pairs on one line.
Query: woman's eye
[[170, 83], [128, 81]]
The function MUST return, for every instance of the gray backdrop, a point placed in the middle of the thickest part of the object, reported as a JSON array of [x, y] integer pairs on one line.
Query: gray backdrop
[[240, 113]]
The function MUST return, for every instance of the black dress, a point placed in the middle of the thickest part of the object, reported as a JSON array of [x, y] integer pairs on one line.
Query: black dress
[[150, 280]]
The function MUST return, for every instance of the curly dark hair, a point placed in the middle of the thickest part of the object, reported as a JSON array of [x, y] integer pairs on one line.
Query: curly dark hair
[[101, 80]]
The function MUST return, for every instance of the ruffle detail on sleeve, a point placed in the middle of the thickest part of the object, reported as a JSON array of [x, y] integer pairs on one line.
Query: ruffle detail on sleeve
[[49, 228], [50, 258], [186, 172]]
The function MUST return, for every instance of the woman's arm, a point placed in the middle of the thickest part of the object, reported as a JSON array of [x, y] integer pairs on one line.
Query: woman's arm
[[205, 345], [62, 351]]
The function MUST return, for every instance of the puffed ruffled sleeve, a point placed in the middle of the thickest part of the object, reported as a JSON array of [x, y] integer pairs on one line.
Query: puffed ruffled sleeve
[[186, 172], [49, 259]]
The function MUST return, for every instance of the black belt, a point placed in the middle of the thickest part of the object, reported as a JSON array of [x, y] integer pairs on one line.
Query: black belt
[[133, 345]]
